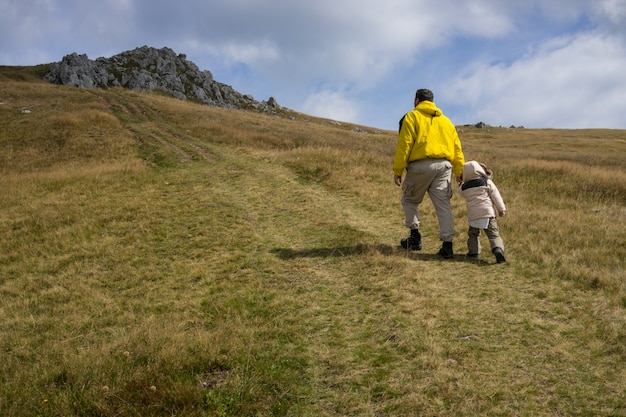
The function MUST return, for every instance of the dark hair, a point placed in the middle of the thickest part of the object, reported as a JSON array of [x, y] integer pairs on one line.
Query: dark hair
[[488, 170], [424, 94]]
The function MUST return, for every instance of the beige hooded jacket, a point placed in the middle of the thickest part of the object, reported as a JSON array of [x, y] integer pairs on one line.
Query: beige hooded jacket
[[480, 193]]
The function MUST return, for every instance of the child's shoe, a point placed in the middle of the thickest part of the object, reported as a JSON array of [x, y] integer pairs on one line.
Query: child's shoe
[[499, 255]]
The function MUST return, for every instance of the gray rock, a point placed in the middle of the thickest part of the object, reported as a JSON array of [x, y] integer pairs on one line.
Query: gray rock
[[151, 69]]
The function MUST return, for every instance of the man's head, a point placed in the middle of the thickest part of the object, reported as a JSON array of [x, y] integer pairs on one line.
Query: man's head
[[424, 94]]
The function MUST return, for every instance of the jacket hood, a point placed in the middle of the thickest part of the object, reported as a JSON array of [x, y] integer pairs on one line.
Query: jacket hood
[[472, 170], [429, 108]]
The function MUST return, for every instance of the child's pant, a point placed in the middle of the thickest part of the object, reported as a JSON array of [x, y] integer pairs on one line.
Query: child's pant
[[492, 232]]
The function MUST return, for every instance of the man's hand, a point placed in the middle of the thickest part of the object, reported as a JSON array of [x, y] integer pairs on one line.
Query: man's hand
[[397, 179]]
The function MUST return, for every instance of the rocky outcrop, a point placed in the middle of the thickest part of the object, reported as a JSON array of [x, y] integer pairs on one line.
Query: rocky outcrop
[[151, 69]]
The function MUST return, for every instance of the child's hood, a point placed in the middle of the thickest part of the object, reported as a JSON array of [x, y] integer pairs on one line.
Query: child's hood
[[472, 170]]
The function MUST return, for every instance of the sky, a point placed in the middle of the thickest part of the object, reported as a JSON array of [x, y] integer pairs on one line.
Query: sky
[[530, 63]]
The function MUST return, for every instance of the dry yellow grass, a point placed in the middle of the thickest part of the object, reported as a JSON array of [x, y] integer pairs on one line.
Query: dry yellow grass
[[160, 257]]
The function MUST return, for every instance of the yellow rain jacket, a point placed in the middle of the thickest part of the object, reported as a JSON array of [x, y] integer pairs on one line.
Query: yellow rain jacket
[[426, 133]]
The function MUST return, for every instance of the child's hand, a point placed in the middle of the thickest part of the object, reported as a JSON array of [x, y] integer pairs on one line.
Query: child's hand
[[502, 213]]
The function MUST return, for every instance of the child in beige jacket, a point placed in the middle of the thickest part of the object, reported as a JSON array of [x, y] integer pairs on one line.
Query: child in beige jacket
[[483, 202]]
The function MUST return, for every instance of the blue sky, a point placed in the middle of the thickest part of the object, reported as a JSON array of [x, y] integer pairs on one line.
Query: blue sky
[[531, 63]]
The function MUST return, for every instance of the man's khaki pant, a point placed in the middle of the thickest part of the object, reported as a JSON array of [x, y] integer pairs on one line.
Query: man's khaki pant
[[432, 176]]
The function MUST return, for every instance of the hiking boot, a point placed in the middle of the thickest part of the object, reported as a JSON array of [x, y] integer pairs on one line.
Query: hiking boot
[[446, 250], [499, 255], [414, 242]]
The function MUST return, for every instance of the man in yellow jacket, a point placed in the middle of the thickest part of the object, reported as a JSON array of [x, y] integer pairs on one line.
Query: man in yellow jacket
[[429, 150]]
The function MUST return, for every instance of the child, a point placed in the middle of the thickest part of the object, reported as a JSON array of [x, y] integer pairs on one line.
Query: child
[[481, 195]]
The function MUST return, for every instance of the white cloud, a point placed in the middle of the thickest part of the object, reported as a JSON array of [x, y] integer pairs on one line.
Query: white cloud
[[614, 9], [573, 82], [250, 53], [327, 55], [352, 41], [330, 104]]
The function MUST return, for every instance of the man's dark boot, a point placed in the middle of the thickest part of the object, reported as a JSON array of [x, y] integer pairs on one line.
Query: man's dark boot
[[446, 250], [414, 242], [499, 255]]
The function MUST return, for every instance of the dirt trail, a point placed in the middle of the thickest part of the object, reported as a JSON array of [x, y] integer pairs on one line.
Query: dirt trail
[[142, 121]]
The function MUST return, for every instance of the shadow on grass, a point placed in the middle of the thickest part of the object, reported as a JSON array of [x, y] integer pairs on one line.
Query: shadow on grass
[[362, 249], [337, 251], [425, 256]]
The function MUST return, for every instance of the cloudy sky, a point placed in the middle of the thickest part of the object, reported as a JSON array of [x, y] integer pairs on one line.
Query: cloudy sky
[[531, 63]]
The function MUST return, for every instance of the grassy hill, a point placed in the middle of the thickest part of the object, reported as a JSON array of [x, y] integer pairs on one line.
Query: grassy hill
[[161, 257]]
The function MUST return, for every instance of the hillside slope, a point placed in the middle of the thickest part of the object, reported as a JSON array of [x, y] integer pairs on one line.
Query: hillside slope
[[160, 257]]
